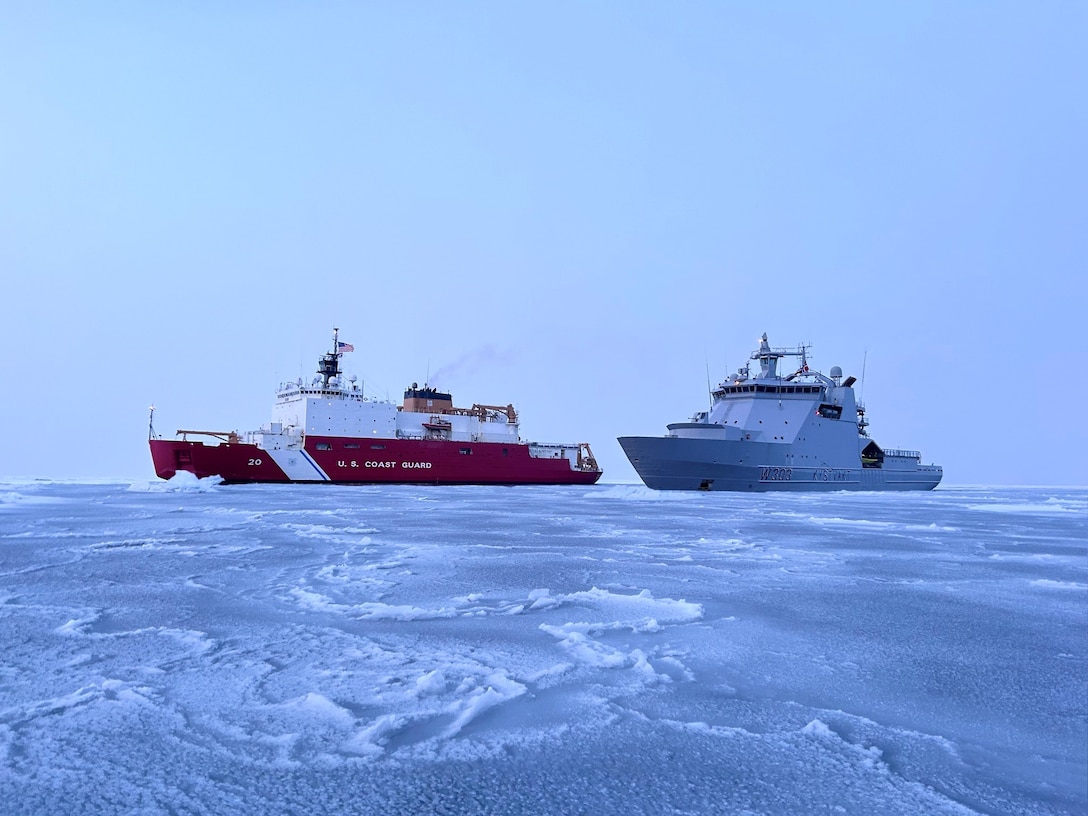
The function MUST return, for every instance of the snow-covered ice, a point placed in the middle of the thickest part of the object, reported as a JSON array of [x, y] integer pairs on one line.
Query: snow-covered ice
[[188, 647]]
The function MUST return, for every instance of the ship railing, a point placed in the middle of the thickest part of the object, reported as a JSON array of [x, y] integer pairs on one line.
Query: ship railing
[[230, 437], [903, 454]]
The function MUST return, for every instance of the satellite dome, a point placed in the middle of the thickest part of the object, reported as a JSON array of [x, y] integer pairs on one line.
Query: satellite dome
[[836, 372]]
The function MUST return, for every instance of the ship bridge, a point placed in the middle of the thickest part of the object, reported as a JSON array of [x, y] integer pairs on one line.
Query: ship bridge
[[777, 405]]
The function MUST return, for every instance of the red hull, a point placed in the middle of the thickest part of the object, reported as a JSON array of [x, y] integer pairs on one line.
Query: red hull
[[386, 461]]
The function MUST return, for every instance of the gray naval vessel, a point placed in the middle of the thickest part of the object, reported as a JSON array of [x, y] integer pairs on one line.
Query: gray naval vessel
[[774, 431]]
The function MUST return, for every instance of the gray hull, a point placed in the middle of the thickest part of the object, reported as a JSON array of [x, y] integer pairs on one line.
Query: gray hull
[[676, 463]]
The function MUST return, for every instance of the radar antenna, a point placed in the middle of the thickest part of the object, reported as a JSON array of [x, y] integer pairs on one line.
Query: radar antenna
[[709, 390], [861, 387], [863, 423]]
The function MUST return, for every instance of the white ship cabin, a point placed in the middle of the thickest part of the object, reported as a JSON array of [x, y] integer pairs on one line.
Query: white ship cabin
[[772, 406], [334, 406], [427, 413]]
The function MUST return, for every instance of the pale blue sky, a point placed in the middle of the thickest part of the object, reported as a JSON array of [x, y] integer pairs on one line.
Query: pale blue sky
[[574, 207]]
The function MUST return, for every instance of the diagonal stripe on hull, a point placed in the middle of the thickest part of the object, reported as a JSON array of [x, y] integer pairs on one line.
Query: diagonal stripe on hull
[[298, 465]]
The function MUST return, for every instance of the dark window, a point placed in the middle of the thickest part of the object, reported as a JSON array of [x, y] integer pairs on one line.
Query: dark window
[[351, 445], [377, 447], [465, 451], [324, 446]]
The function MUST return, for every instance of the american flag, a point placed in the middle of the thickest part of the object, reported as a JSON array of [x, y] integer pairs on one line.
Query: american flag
[[342, 347]]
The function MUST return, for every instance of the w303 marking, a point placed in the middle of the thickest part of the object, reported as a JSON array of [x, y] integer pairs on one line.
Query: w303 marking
[[776, 474]]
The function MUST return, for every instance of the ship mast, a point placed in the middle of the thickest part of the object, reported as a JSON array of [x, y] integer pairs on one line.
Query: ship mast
[[768, 359], [329, 364]]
